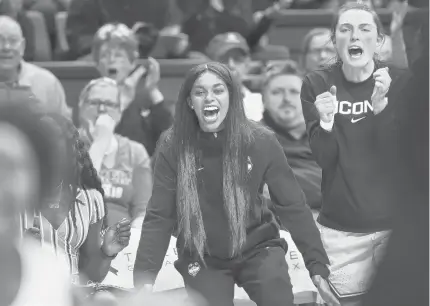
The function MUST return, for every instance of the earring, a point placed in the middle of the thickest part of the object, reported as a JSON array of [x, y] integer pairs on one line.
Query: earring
[[192, 106]]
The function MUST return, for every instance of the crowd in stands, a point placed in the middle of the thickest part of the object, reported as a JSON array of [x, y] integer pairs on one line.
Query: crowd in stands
[[112, 133], [166, 29]]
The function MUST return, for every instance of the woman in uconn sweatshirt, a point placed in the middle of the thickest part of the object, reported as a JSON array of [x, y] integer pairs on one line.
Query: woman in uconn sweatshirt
[[208, 179], [351, 125]]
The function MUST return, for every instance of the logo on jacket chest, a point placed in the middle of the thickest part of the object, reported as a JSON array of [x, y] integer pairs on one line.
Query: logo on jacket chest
[[354, 108], [193, 269]]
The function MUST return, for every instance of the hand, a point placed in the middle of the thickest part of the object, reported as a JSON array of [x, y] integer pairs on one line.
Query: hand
[[153, 75], [324, 290], [277, 7], [382, 85], [326, 104], [104, 127], [399, 13], [116, 238]]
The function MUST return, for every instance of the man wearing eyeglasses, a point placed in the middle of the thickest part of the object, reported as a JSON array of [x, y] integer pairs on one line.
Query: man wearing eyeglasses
[[16, 72]]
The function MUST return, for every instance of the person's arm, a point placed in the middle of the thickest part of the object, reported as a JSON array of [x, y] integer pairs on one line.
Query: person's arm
[[160, 117], [142, 183], [97, 252], [83, 21], [398, 57], [290, 206], [93, 262], [160, 220], [322, 136], [259, 30]]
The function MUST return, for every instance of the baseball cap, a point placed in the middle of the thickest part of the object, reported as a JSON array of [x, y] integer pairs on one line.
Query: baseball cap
[[222, 43]]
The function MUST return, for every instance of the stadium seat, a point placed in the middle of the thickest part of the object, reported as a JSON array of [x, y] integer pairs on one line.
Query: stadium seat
[[60, 26], [42, 44]]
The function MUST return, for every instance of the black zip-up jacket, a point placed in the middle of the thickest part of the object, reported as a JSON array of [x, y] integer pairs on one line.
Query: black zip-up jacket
[[267, 164]]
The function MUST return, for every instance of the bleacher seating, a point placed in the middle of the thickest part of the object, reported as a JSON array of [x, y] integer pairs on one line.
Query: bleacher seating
[[42, 44], [289, 28], [60, 25]]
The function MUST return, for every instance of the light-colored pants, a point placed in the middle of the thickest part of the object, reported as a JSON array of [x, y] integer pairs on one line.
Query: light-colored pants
[[354, 258]]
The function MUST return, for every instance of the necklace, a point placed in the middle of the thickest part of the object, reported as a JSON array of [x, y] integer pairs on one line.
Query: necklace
[[55, 203]]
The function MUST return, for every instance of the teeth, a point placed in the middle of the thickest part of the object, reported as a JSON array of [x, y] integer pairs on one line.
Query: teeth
[[211, 108]]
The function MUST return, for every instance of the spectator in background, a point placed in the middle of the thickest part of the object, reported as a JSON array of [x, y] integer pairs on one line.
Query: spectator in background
[[123, 165], [232, 50], [283, 114], [87, 16], [13, 69], [14, 10], [318, 49], [212, 19], [146, 115]]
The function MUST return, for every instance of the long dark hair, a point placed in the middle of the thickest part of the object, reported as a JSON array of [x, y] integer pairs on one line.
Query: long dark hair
[[82, 174], [238, 135]]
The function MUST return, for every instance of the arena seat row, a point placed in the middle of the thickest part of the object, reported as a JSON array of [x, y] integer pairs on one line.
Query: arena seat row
[[289, 29]]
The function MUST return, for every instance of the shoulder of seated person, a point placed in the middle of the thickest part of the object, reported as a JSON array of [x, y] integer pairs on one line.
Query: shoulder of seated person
[[35, 72]]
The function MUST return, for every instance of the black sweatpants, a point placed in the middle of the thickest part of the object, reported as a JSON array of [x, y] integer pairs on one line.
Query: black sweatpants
[[263, 273]]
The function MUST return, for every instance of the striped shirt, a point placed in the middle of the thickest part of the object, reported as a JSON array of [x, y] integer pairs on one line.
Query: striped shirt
[[68, 238]]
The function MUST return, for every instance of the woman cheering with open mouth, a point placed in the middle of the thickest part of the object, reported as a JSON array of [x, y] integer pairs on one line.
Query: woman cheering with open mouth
[[208, 179], [350, 116]]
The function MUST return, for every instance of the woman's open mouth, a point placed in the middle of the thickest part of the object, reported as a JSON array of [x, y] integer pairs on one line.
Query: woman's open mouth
[[112, 72], [355, 51], [210, 113]]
